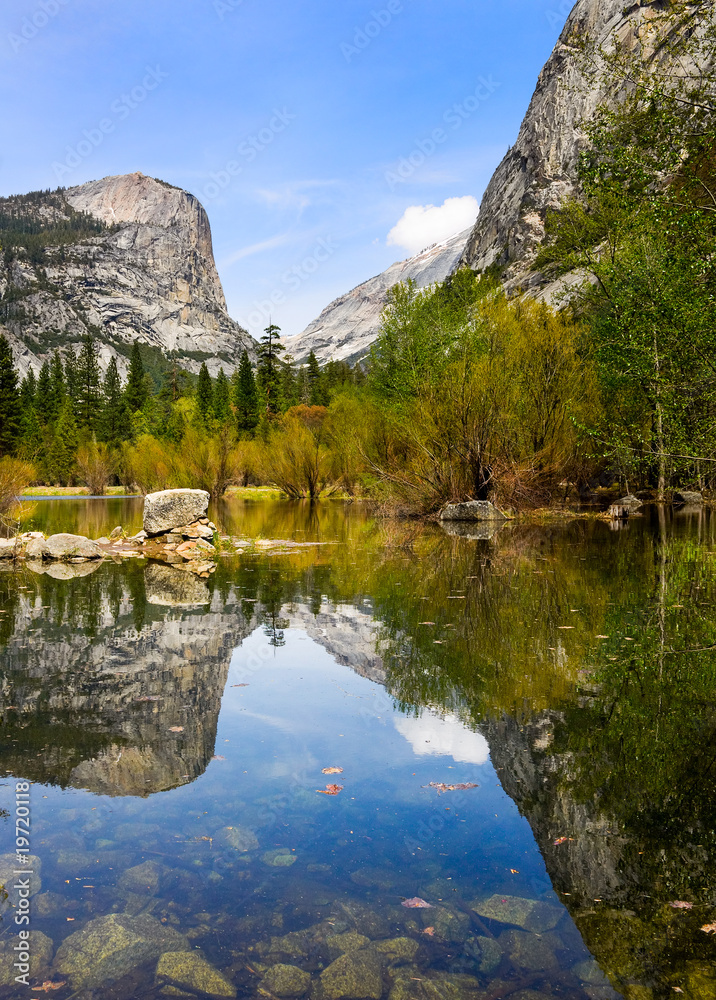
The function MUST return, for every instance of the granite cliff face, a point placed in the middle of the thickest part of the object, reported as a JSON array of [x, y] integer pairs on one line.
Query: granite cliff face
[[539, 171], [150, 274], [348, 326]]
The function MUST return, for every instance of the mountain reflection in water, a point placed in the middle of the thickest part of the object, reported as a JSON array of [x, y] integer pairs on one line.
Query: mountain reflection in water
[[577, 662]]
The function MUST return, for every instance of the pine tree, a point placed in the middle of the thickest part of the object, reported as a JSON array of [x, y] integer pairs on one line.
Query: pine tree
[[317, 380], [246, 398], [136, 392], [27, 392], [71, 379], [43, 392], [9, 401], [289, 384], [58, 388], [32, 446], [89, 393], [204, 394], [62, 449], [269, 371], [116, 421], [222, 396], [303, 386]]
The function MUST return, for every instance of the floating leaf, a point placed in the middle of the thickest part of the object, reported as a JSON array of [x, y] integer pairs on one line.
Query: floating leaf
[[48, 987], [330, 790], [514, 871], [679, 904], [450, 788], [709, 928], [561, 840], [416, 903], [332, 770], [430, 931], [176, 729]]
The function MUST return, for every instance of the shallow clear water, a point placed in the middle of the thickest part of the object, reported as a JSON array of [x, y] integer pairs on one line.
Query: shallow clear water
[[176, 733]]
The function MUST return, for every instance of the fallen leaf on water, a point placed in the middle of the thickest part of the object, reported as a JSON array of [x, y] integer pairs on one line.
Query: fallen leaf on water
[[679, 904], [176, 729], [514, 871], [48, 987], [677, 989], [430, 931], [332, 770], [416, 903], [450, 788], [709, 928], [218, 757], [330, 790], [561, 840]]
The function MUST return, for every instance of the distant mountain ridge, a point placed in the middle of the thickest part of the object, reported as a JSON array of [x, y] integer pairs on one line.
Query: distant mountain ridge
[[147, 272], [349, 325]]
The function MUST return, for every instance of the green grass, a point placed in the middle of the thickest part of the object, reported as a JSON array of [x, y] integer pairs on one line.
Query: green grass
[[70, 491]]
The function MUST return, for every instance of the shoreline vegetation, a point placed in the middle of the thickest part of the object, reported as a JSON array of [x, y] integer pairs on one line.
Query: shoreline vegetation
[[469, 393]]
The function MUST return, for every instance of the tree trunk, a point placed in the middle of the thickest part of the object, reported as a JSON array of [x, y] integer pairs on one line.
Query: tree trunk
[[660, 444]]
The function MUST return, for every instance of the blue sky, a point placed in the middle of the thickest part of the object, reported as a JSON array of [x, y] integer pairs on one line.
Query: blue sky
[[307, 130]]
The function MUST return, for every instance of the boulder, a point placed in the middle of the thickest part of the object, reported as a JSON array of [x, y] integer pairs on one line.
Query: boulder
[[8, 548], [528, 951], [286, 981], [688, 498], [9, 886], [474, 510], [108, 948], [188, 970], [239, 838], [40, 949], [171, 508], [629, 501], [529, 914], [143, 879], [352, 976], [65, 546]]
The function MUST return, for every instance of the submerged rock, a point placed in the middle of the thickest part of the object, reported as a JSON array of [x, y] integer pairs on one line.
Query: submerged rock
[[143, 879], [110, 947], [286, 981], [528, 951], [239, 838], [41, 950], [191, 971], [280, 858], [172, 508], [473, 510], [10, 887], [486, 952], [440, 988], [342, 944], [529, 914], [401, 949], [356, 976]]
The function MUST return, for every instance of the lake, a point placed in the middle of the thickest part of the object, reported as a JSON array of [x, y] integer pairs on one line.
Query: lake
[[391, 762]]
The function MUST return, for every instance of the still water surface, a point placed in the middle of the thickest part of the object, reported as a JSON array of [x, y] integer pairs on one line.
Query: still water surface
[[176, 735]]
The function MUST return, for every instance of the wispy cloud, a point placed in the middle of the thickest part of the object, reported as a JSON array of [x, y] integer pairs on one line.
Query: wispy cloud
[[255, 248]]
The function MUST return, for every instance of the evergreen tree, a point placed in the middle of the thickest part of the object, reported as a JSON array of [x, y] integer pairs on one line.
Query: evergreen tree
[[269, 371], [303, 386], [204, 394], [62, 449], [89, 393], [32, 446], [58, 388], [289, 384], [43, 392], [116, 421], [246, 398], [222, 396], [318, 395], [27, 392], [9, 401], [71, 379], [136, 391]]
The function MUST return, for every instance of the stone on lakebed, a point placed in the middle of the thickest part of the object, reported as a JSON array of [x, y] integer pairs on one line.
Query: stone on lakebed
[[286, 981], [529, 914], [187, 969], [172, 508], [473, 510]]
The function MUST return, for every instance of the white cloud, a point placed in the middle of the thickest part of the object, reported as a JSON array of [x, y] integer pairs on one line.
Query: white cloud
[[443, 736], [423, 225]]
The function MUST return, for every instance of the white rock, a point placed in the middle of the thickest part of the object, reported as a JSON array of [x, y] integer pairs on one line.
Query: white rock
[[172, 508]]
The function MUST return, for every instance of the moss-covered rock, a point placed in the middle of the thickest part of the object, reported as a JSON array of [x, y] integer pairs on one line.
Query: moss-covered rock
[[450, 926], [280, 858], [529, 914], [633, 991], [374, 878], [486, 952], [143, 879], [110, 947], [699, 982], [439, 988], [341, 944], [41, 950], [187, 969], [356, 976], [400, 949], [238, 838], [528, 951], [286, 981]]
